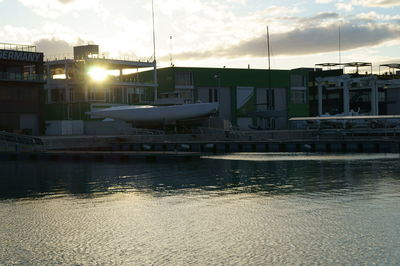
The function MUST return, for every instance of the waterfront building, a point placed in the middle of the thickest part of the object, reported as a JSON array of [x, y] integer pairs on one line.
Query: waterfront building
[[248, 98], [340, 91], [21, 89], [89, 80]]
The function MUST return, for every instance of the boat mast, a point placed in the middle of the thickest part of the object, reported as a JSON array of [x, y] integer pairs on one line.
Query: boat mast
[[154, 53], [170, 50], [270, 93], [269, 50]]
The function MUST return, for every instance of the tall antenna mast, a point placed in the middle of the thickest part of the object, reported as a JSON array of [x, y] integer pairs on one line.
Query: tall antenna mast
[[270, 92], [269, 50], [269, 60], [154, 31], [340, 45], [154, 53]]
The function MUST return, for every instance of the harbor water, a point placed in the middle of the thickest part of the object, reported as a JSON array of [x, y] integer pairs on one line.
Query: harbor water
[[239, 209]]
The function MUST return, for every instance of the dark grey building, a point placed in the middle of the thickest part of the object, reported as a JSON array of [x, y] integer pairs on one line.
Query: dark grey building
[[21, 89]]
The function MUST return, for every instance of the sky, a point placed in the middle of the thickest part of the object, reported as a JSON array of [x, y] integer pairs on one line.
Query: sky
[[211, 33]]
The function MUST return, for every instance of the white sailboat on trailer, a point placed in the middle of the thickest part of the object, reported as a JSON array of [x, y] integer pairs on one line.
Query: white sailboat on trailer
[[154, 114]]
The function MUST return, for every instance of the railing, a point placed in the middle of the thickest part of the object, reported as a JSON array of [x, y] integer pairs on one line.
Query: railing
[[57, 57], [21, 77], [67, 56], [122, 58], [129, 79], [17, 47], [302, 135], [21, 139], [17, 142]]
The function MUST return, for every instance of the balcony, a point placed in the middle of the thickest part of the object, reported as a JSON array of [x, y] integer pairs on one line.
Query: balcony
[[5, 76]]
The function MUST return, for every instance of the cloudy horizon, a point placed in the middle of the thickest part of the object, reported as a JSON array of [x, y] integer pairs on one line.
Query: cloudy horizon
[[217, 33]]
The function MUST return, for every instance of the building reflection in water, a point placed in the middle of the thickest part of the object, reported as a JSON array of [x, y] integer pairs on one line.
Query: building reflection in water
[[37, 179]]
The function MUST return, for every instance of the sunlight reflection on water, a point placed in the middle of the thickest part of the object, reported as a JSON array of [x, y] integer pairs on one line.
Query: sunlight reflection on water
[[300, 156]]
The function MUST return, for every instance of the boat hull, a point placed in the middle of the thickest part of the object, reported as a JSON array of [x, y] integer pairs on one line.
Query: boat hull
[[157, 113]]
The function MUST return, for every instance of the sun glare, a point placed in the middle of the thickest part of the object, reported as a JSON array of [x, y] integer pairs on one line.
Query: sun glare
[[98, 74], [59, 76]]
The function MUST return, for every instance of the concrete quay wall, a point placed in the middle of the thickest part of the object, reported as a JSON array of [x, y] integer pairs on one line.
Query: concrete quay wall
[[271, 146], [99, 156], [226, 142], [185, 151]]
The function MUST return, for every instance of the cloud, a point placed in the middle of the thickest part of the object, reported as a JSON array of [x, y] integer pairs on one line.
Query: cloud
[[313, 40], [56, 8], [13, 34], [201, 24], [348, 5], [319, 18], [376, 3], [344, 6], [52, 39], [53, 46]]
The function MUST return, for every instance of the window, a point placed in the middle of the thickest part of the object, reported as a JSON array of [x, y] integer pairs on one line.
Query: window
[[298, 80], [28, 94], [29, 70], [212, 95], [270, 96], [57, 95], [272, 123], [266, 123], [184, 79], [382, 96], [135, 95], [298, 96], [14, 69], [185, 94], [333, 96], [7, 94]]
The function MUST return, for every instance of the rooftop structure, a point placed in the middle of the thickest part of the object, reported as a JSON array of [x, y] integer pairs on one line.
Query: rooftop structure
[[394, 70], [329, 65], [336, 92], [356, 65]]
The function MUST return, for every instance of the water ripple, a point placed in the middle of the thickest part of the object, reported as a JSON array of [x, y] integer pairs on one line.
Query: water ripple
[[208, 212]]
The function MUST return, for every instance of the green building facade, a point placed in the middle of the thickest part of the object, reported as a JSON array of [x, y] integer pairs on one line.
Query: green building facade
[[248, 98]]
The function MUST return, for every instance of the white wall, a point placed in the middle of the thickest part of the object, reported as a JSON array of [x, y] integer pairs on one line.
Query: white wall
[[64, 128]]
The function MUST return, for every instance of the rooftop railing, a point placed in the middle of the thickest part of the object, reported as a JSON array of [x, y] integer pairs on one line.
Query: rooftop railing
[[17, 47], [57, 57], [122, 58], [66, 56]]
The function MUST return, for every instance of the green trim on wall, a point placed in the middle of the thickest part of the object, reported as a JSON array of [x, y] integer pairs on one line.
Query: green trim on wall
[[63, 111]]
